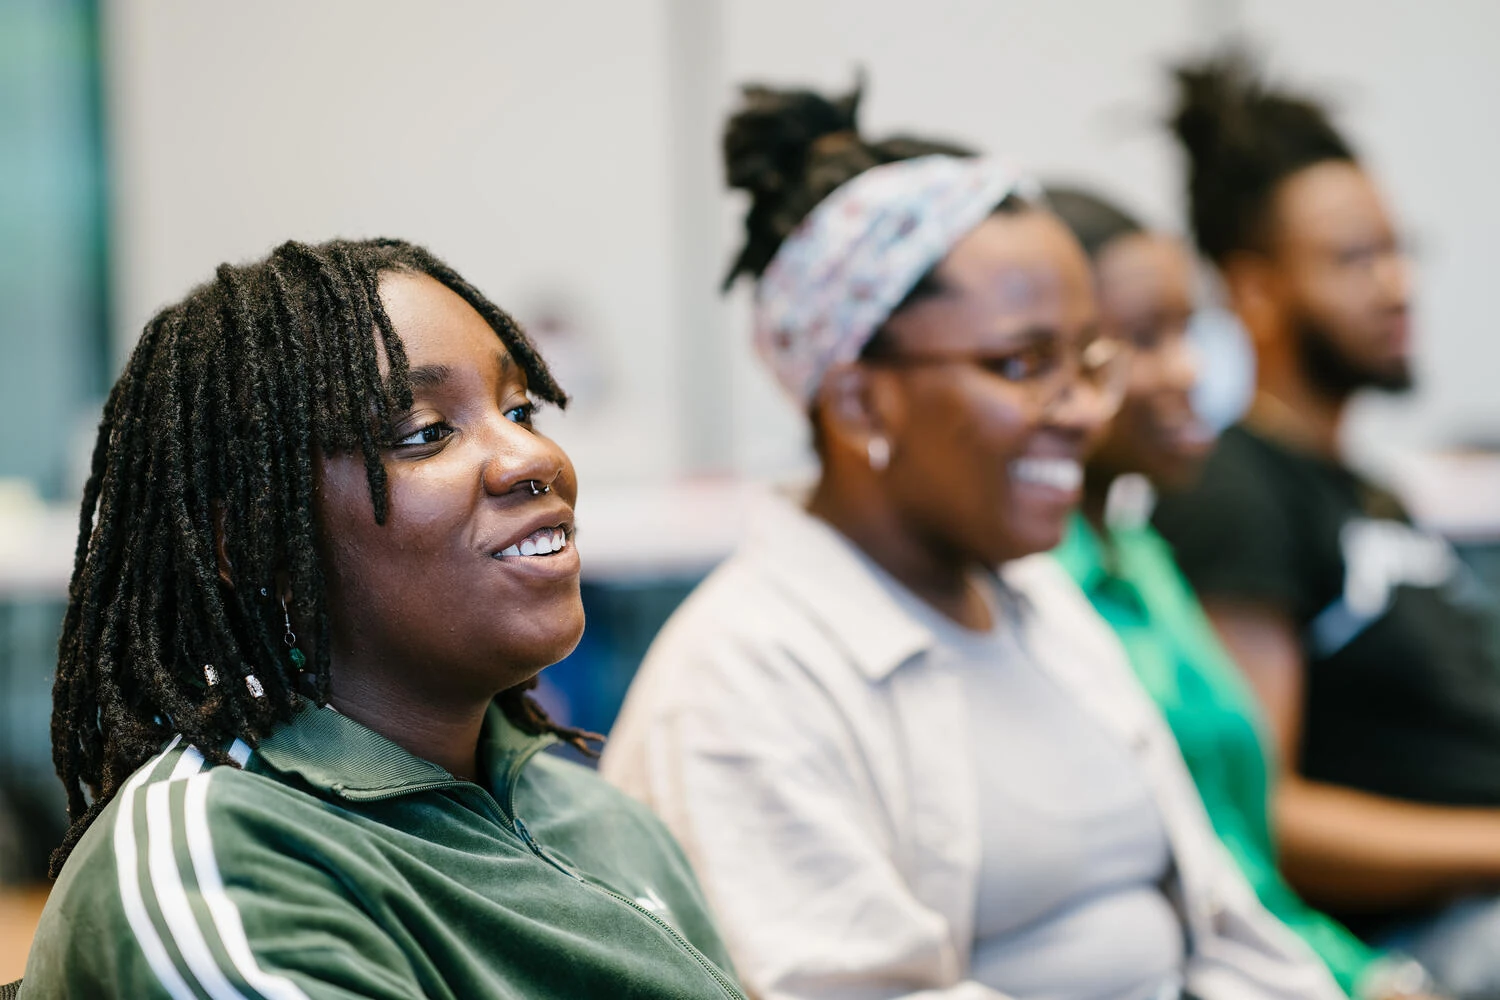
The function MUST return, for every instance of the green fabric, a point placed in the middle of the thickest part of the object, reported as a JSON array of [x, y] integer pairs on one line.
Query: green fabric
[[1135, 585], [336, 864]]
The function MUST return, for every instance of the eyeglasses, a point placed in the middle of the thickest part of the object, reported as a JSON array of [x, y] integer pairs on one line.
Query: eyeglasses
[[1043, 368]]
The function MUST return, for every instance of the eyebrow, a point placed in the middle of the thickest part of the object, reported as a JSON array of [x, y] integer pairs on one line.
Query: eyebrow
[[429, 376], [433, 376]]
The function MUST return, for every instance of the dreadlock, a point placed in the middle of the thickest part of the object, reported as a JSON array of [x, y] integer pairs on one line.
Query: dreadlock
[[1242, 139], [209, 435]]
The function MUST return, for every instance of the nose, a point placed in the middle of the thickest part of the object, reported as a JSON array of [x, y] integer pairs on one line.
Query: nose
[[515, 458], [1082, 407], [1394, 273], [1180, 365]]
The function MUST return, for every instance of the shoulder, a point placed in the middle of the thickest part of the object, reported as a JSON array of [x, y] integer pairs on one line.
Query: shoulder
[[150, 876], [1242, 508], [1051, 591], [1244, 472], [747, 668], [739, 639], [1063, 615]]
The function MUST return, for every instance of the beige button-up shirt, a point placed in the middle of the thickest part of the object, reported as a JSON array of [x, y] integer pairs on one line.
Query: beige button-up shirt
[[794, 729]]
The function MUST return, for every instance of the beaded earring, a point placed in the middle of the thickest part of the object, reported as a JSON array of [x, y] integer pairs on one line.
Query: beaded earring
[[299, 661]]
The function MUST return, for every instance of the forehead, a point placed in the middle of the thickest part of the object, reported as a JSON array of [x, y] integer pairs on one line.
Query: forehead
[[1016, 271], [435, 324], [1328, 203], [1143, 265]]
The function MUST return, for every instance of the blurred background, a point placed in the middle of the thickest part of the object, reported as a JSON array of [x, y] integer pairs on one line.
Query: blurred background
[[563, 156]]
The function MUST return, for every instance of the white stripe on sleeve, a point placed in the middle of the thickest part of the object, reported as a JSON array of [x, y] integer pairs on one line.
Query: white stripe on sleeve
[[130, 886], [226, 916], [166, 881]]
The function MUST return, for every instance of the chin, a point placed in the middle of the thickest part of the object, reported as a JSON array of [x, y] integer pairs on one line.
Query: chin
[[1041, 535], [1178, 473], [554, 637]]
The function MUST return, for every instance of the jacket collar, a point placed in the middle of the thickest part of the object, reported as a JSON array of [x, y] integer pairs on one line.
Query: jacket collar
[[335, 754], [835, 583]]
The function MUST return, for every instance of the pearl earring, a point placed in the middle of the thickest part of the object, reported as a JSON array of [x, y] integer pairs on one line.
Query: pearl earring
[[878, 450]]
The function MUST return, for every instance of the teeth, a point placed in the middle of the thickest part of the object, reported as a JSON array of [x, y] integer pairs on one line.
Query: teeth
[[539, 543], [1059, 473]]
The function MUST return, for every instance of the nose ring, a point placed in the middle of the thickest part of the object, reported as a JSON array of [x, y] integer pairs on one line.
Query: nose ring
[[537, 489]]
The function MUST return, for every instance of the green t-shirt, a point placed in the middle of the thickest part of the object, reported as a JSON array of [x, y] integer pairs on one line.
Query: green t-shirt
[[1136, 586]]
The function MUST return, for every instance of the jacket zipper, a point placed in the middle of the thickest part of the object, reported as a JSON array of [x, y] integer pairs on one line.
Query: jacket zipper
[[519, 828], [512, 822]]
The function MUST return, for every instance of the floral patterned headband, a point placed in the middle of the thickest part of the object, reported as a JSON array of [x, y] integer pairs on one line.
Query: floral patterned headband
[[839, 274]]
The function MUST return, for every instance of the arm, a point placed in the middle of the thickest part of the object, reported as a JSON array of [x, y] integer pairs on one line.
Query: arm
[[1342, 847], [173, 908]]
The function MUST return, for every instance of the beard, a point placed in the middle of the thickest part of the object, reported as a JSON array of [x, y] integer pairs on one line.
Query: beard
[[1332, 370]]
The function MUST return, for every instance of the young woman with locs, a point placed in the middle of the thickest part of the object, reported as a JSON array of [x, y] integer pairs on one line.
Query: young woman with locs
[[324, 552], [904, 755]]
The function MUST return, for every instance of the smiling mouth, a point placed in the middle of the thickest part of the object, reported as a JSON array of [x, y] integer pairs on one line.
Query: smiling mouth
[[1065, 474], [542, 542]]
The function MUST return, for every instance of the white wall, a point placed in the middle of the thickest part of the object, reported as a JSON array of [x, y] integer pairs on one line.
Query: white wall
[[567, 149], [529, 144]]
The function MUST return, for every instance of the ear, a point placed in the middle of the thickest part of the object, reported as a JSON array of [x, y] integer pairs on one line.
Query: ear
[[852, 407], [1254, 293], [221, 545]]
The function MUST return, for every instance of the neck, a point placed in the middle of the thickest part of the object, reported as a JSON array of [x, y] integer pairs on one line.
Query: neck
[[940, 580], [1289, 409], [443, 733], [1096, 484]]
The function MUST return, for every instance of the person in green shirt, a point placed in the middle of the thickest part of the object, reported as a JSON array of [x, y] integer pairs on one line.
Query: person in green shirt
[[1144, 280], [324, 552]]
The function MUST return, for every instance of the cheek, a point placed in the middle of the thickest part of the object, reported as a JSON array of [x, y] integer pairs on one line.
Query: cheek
[[965, 442], [379, 566], [1125, 443], [963, 430], [1336, 307]]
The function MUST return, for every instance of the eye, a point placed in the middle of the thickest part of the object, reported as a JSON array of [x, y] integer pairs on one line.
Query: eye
[[430, 434], [521, 414], [1147, 337], [1023, 364]]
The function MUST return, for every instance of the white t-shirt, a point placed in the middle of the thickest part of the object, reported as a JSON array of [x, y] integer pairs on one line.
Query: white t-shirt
[[1074, 853]]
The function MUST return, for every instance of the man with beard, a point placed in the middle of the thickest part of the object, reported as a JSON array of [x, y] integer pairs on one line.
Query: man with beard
[[1375, 653]]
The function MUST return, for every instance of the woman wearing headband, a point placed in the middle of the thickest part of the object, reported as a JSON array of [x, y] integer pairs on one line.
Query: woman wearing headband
[[903, 754]]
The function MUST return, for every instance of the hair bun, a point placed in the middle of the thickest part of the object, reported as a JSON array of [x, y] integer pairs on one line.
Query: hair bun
[[788, 149], [1242, 138], [1214, 101], [768, 142]]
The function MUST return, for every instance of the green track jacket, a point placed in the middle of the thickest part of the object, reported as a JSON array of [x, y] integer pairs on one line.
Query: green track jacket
[[336, 864]]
